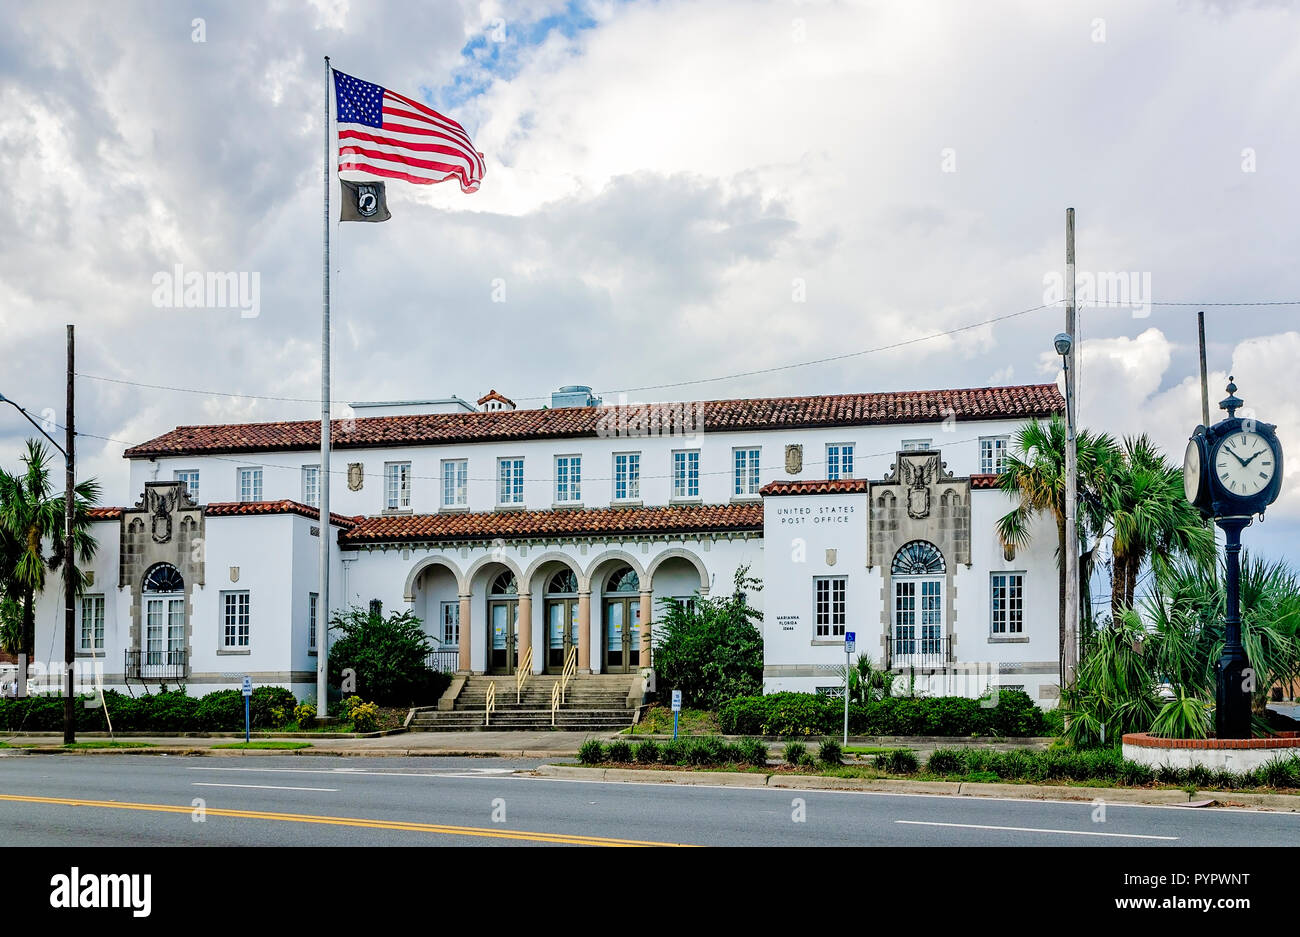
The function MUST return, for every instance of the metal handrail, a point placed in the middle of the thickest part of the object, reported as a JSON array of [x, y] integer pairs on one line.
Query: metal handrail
[[555, 701], [491, 703], [570, 670], [523, 673]]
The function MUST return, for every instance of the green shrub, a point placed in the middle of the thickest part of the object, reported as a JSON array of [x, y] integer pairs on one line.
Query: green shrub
[[672, 752], [1280, 772], [220, 711], [898, 761], [1200, 776], [946, 761], [1136, 773], [731, 753], [619, 751], [647, 752], [305, 715], [591, 752], [753, 752], [830, 752], [1168, 774], [365, 716], [795, 753], [386, 656], [270, 707], [704, 750]]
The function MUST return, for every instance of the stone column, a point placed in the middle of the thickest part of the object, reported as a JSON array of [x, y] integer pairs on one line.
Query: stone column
[[584, 631], [523, 626], [462, 665], [646, 611]]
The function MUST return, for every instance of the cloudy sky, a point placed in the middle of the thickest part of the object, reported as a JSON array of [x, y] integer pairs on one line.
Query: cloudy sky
[[675, 192]]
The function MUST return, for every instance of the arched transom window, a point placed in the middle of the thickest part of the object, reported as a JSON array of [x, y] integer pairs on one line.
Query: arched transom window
[[504, 584], [565, 582], [917, 558], [163, 577], [625, 580]]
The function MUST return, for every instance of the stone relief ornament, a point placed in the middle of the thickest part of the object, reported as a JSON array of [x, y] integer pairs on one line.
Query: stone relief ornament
[[234, 574], [160, 508], [793, 459], [356, 476], [918, 476], [831, 556]]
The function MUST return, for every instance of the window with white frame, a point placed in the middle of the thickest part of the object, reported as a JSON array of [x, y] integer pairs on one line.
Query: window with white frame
[[450, 635], [746, 475], [92, 622], [1008, 603], [839, 460], [686, 603], [191, 479], [313, 599], [235, 621], [311, 485], [510, 481], [627, 476], [250, 484], [686, 473], [917, 445], [397, 486], [993, 455], [455, 483], [568, 479], [829, 606]]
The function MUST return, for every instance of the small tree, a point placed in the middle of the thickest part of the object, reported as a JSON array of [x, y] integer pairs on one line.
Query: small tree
[[714, 651], [387, 656]]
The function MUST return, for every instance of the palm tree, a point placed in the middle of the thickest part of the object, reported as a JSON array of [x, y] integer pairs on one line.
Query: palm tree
[[1150, 518], [30, 513], [1035, 473]]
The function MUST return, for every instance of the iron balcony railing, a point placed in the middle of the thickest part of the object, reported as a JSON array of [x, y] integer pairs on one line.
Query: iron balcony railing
[[922, 652], [156, 665], [447, 660]]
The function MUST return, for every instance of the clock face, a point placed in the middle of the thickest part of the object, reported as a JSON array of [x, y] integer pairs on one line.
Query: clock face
[[1244, 464], [1192, 470]]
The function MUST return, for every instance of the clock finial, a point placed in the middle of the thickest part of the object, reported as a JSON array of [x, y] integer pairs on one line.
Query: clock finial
[[1232, 402]]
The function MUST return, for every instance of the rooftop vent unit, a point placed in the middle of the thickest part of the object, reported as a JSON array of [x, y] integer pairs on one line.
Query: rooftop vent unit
[[574, 395]]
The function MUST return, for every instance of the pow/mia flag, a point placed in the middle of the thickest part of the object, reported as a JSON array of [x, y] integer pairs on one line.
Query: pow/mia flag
[[363, 201]]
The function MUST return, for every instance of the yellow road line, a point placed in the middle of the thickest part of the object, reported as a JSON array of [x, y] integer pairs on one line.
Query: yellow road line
[[557, 838]]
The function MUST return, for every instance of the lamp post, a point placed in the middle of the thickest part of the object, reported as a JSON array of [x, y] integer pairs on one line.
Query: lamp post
[[69, 557], [1064, 344]]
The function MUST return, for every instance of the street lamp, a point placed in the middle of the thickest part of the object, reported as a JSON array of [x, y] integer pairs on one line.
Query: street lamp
[[68, 451], [1064, 345]]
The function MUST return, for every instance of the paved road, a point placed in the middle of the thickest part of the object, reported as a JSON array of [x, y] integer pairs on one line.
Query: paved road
[[276, 800]]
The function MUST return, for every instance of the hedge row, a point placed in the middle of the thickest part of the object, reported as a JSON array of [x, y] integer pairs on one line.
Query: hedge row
[[698, 750], [1102, 765], [220, 711], [1012, 714]]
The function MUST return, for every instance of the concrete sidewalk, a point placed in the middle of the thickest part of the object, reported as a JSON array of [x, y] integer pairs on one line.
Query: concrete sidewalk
[[504, 744]]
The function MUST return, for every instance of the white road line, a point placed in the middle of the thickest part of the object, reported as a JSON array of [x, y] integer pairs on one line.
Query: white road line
[[269, 787], [355, 772], [1030, 829]]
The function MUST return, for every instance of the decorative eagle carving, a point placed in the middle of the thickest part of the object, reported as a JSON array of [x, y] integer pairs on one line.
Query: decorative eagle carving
[[918, 476], [160, 510]]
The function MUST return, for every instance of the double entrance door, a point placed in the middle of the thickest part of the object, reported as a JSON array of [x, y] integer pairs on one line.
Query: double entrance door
[[503, 616], [561, 631], [622, 642]]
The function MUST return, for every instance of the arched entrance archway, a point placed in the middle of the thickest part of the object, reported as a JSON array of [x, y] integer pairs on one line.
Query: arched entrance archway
[[561, 617], [502, 623], [918, 575], [621, 622]]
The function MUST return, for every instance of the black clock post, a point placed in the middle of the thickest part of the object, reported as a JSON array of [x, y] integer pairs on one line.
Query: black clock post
[[1233, 471]]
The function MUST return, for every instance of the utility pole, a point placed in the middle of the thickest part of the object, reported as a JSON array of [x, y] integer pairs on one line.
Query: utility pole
[[69, 566], [1070, 643], [1205, 384]]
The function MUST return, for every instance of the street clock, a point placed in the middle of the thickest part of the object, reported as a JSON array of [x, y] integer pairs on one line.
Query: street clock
[[1233, 468], [1231, 472]]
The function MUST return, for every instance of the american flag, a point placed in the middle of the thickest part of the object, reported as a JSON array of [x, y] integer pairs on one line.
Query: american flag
[[386, 135]]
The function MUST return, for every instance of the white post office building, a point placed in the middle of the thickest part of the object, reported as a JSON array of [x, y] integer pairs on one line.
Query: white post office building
[[519, 534]]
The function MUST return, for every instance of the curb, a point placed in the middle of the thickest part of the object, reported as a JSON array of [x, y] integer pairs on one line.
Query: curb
[[1114, 795]]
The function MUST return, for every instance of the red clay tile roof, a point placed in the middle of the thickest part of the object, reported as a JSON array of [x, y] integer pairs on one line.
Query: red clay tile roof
[[840, 486], [241, 508], [493, 395], [980, 403], [984, 481], [104, 514], [407, 528]]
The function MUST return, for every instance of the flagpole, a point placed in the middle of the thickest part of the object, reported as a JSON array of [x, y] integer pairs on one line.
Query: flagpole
[[323, 598]]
